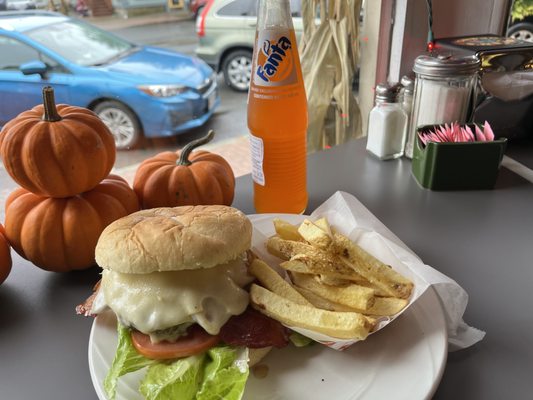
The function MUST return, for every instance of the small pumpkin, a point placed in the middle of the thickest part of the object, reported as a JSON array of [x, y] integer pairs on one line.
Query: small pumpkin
[[5, 255], [172, 179], [57, 151], [60, 234]]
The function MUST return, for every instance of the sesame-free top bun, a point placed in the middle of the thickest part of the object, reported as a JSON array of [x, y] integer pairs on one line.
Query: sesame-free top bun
[[172, 239]]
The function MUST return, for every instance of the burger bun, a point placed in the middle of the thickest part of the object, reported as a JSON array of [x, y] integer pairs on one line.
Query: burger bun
[[174, 239]]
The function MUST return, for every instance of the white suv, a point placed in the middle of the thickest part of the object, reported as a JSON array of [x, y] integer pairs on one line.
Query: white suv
[[226, 29]]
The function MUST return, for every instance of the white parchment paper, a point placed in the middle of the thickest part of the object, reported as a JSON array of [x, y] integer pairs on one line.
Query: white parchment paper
[[350, 217]]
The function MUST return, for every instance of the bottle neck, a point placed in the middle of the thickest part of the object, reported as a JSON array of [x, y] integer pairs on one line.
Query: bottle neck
[[274, 14]]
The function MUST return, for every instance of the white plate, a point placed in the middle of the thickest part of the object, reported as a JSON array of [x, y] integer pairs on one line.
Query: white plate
[[403, 361]]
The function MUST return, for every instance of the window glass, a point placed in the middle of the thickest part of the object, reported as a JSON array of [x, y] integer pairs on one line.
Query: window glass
[[80, 43], [239, 8], [15, 53], [296, 8], [53, 65]]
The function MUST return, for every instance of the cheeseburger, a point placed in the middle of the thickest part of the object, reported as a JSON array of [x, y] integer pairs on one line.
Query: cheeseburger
[[177, 279]]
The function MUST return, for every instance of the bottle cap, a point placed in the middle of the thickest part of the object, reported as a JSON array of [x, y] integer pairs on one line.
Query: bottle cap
[[446, 65], [387, 92]]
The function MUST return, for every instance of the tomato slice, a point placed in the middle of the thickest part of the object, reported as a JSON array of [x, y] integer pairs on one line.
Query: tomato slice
[[196, 341]]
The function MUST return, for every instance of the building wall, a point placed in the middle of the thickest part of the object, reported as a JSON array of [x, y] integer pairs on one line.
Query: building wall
[[395, 33], [450, 18], [129, 4]]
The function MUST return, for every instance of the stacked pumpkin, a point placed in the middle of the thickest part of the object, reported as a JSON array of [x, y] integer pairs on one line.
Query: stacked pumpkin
[[61, 157], [5, 255]]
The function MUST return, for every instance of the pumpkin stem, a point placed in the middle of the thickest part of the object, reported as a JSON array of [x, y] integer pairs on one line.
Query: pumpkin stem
[[50, 110], [184, 155]]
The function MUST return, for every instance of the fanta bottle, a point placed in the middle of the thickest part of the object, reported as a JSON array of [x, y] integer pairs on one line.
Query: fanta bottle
[[277, 114]]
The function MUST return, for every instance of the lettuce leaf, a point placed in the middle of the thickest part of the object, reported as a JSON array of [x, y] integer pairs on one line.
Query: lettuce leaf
[[300, 340], [126, 360], [220, 373], [225, 377], [177, 380]]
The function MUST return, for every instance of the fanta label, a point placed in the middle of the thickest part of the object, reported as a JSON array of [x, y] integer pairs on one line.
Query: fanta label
[[274, 63]]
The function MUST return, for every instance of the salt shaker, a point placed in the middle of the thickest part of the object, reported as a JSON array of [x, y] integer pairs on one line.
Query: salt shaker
[[387, 124], [444, 89]]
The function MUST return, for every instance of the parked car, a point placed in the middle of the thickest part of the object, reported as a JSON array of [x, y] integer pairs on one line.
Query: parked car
[[521, 26], [196, 6], [226, 31], [522, 29], [136, 90], [18, 5]]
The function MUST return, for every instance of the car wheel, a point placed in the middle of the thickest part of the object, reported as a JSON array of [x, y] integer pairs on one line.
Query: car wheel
[[122, 122], [521, 31], [237, 69]]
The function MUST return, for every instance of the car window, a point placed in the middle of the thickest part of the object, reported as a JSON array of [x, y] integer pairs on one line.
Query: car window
[[239, 8], [80, 43], [53, 65], [15, 53]]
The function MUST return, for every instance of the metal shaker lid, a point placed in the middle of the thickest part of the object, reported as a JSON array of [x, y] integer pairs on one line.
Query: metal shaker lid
[[408, 83], [446, 65], [387, 92]]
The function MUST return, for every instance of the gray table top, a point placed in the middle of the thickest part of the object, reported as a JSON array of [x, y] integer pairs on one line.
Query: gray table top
[[521, 151], [482, 239]]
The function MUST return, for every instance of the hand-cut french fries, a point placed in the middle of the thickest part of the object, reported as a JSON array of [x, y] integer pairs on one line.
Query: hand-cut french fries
[[377, 273], [342, 325], [286, 230], [383, 306], [333, 280], [355, 296], [336, 288], [285, 249], [314, 234], [275, 283], [386, 306], [335, 269], [323, 224], [321, 302]]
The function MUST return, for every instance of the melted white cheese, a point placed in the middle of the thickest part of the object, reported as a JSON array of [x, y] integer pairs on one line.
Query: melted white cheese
[[162, 300]]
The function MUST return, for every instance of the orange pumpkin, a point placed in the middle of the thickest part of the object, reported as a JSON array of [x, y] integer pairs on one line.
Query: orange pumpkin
[[61, 234], [184, 178], [5, 256], [57, 151]]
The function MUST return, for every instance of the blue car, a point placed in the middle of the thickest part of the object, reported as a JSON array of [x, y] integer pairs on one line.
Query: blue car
[[136, 90]]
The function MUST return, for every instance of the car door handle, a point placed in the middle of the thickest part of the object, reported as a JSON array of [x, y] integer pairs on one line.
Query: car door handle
[[252, 24]]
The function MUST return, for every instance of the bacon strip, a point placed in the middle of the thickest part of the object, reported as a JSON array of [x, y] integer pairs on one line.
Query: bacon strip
[[85, 307], [254, 330]]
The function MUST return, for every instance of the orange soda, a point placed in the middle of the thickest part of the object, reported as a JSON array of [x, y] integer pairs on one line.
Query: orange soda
[[277, 114]]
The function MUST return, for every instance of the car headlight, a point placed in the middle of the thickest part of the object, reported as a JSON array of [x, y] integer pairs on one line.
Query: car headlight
[[163, 90]]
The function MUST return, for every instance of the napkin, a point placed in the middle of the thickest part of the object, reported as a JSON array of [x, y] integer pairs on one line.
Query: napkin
[[343, 209]]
